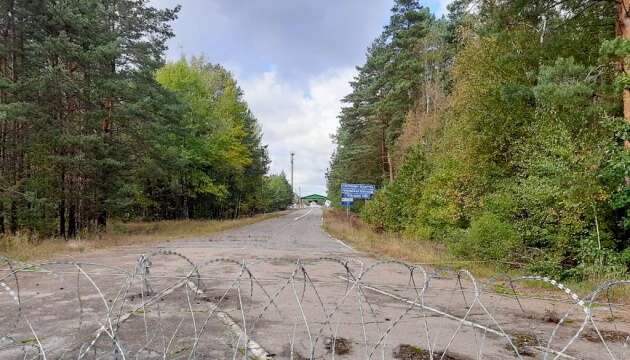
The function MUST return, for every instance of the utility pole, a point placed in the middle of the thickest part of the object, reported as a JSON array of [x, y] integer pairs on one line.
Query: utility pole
[[292, 188]]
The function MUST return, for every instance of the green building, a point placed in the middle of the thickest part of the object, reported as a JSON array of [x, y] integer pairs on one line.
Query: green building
[[314, 198]]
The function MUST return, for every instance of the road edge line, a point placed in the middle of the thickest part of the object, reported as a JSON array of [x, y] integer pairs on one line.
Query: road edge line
[[299, 217], [255, 348], [334, 238]]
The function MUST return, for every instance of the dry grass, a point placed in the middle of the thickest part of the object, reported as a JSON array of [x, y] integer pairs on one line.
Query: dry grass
[[26, 248], [397, 246], [382, 245], [432, 255], [400, 247]]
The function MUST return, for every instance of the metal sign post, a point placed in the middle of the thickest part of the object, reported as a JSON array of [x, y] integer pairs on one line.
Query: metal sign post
[[349, 192], [347, 202]]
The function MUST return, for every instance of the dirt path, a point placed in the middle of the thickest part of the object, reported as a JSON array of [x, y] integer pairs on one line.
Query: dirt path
[[283, 289]]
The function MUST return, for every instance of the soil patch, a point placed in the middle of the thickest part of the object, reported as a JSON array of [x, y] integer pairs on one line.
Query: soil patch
[[295, 355], [551, 316], [409, 352], [342, 345], [608, 335], [522, 342]]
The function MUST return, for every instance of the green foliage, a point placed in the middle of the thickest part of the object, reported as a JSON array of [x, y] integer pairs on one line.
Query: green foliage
[[392, 208], [489, 238], [213, 164], [384, 91], [527, 162], [277, 193], [614, 49], [77, 91], [94, 125]]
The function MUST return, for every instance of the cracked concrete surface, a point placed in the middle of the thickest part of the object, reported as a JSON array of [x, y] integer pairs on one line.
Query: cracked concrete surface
[[292, 299]]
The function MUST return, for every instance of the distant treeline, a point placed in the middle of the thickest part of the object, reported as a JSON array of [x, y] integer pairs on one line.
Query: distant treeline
[[499, 131], [94, 124]]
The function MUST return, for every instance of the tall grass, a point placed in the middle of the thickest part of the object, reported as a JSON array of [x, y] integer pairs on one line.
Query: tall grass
[[432, 255], [28, 247], [382, 245]]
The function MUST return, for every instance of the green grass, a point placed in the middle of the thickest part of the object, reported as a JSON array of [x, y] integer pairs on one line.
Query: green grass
[[32, 341]]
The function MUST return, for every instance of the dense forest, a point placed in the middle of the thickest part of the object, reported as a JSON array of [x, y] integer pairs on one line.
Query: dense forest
[[499, 130], [95, 125]]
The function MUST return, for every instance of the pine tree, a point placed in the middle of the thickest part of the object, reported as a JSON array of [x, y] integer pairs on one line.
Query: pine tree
[[397, 70], [86, 77]]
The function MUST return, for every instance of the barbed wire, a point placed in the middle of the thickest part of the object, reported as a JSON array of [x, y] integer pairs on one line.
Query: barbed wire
[[167, 306]]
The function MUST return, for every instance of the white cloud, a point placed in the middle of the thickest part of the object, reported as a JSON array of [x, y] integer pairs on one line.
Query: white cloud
[[443, 10], [299, 121]]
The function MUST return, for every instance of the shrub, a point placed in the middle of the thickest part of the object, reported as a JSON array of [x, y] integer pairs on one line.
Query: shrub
[[372, 212], [488, 238]]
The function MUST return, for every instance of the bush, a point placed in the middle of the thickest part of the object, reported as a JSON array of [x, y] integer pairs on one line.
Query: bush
[[373, 211], [488, 238], [393, 207]]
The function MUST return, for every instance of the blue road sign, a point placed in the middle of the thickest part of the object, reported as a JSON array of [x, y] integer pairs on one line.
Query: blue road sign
[[347, 201], [357, 191]]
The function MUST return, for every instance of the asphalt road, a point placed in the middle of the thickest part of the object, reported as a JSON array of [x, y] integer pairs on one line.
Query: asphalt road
[[300, 232], [283, 287]]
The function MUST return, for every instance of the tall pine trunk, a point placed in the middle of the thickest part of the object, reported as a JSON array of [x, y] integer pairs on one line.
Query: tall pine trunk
[[62, 205], [383, 152], [12, 67], [72, 221], [101, 221], [4, 70], [14, 217], [1, 218], [62, 218], [623, 30], [391, 167]]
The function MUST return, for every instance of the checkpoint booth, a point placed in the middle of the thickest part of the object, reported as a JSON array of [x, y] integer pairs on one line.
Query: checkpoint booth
[[314, 199]]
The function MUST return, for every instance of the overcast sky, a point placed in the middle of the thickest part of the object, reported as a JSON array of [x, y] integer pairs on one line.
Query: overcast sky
[[293, 59]]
